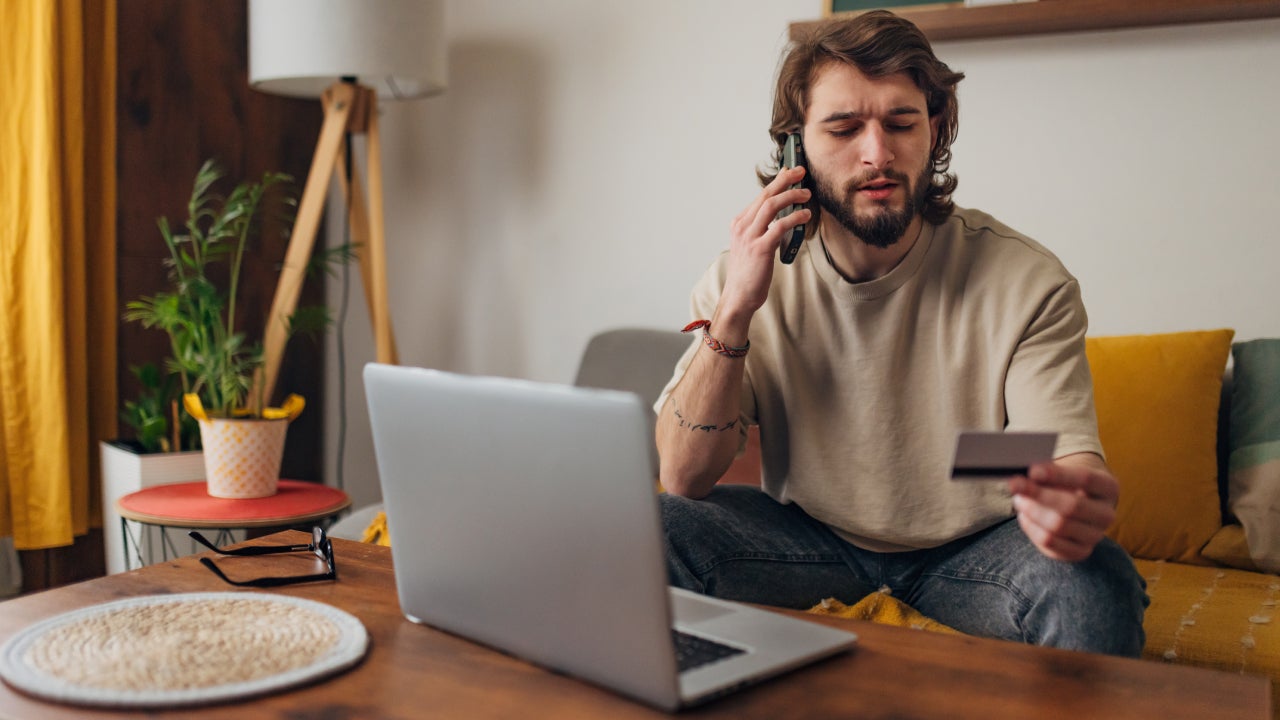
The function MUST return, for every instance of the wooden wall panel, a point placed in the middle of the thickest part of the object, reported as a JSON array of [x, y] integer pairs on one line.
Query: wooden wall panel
[[183, 96], [43, 569]]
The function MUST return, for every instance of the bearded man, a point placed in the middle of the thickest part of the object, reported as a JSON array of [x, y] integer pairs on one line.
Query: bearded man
[[902, 321]]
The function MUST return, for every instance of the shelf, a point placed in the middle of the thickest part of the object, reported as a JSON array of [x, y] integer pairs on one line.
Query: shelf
[[956, 22]]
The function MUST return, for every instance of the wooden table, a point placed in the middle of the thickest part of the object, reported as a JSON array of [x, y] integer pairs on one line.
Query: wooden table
[[413, 671]]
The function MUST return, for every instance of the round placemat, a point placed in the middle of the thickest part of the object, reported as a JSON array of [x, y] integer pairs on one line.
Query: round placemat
[[185, 649]]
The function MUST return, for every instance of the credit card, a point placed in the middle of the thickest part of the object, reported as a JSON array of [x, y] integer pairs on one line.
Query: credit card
[[999, 455]]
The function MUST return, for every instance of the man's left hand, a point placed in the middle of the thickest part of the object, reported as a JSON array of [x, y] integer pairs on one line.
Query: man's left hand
[[1066, 506]]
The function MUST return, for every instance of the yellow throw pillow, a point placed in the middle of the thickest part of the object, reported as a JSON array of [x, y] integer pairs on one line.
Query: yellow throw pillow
[[1230, 547], [1157, 398]]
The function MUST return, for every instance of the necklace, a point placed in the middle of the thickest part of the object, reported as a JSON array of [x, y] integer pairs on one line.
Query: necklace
[[846, 278], [831, 260]]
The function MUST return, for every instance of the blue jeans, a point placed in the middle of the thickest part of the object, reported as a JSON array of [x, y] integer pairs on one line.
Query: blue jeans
[[738, 543]]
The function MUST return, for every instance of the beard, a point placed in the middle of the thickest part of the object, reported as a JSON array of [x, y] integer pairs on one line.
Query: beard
[[885, 226]]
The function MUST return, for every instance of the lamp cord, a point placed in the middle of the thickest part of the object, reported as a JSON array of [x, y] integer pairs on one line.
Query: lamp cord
[[340, 330]]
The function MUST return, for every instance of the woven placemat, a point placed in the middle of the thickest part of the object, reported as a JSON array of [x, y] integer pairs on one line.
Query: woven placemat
[[186, 649]]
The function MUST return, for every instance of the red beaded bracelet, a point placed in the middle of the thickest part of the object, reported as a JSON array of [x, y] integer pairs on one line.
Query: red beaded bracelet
[[714, 344]]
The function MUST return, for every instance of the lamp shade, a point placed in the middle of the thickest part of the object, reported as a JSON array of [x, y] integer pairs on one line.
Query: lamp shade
[[301, 47]]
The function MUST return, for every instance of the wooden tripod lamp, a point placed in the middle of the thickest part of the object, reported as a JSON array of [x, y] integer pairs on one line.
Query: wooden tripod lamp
[[351, 54]]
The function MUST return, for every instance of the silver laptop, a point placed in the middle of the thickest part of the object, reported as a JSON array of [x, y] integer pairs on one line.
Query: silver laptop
[[524, 516]]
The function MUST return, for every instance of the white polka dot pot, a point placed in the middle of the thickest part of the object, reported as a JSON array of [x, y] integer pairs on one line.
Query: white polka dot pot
[[242, 456]]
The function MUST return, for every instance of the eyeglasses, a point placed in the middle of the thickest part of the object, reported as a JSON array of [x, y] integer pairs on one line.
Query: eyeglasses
[[320, 545]]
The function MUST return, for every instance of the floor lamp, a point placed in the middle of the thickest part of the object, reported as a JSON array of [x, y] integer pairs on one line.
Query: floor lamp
[[351, 54]]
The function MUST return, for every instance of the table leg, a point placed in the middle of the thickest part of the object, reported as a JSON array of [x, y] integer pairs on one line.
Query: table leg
[[137, 546], [166, 545]]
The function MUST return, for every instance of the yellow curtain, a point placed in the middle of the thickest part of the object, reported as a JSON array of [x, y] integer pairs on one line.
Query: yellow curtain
[[57, 265]]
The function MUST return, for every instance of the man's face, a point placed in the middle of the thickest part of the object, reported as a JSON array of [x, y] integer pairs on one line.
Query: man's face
[[868, 142]]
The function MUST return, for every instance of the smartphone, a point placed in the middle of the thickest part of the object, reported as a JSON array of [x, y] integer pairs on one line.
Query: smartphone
[[792, 156], [1000, 455]]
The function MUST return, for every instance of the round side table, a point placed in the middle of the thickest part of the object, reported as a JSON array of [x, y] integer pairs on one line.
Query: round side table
[[189, 505]]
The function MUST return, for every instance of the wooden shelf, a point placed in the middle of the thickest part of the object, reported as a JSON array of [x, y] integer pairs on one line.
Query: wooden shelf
[[956, 22]]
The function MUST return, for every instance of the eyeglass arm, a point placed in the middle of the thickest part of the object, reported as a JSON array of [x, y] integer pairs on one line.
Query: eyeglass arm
[[249, 551]]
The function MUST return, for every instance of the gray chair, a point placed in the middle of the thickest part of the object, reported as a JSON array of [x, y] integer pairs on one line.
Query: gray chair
[[637, 360], [632, 359]]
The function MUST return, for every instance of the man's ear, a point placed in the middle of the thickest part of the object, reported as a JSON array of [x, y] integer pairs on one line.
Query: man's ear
[[933, 131]]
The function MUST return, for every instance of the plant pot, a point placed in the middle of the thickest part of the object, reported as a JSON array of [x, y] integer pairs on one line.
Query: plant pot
[[126, 469], [242, 457]]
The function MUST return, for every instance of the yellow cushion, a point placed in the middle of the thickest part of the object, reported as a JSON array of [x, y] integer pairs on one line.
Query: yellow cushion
[[883, 608], [1230, 547], [1157, 398], [1212, 617], [376, 532]]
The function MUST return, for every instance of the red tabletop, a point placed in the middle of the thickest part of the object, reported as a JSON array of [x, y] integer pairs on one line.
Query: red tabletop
[[190, 505]]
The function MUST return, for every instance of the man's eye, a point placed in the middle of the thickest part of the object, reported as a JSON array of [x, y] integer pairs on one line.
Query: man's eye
[[843, 132], [900, 127]]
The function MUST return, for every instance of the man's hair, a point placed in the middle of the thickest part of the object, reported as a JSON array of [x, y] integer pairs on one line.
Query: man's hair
[[878, 44]]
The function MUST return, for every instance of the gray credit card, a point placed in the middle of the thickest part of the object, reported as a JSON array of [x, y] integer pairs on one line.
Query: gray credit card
[[999, 455]]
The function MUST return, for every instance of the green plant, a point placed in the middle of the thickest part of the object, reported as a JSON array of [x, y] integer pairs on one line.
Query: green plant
[[208, 355], [149, 415]]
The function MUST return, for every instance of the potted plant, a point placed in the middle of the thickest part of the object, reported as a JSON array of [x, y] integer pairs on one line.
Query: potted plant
[[214, 364]]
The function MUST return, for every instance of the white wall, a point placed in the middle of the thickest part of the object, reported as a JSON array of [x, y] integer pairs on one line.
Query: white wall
[[584, 165], [1148, 160]]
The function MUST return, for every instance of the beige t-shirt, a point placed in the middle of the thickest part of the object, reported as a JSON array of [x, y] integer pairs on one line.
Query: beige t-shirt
[[859, 390]]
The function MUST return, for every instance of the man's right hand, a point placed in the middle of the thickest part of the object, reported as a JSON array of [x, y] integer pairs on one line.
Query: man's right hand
[[698, 429], [755, 236]]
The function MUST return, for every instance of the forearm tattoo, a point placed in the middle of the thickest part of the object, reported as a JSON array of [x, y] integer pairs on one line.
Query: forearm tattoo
[[691, 425]]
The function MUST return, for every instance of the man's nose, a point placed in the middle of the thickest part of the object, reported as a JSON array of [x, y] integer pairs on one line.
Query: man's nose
[[877, 151]]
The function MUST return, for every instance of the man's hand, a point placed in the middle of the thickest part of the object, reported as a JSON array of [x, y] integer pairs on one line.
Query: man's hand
[[754, 240], [1066, 506], [696, 433]]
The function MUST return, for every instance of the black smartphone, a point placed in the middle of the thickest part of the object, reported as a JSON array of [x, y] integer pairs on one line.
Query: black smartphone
[[792, 156]]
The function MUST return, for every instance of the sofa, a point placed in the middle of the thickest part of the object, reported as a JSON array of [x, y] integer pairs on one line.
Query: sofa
[[1190, 423]]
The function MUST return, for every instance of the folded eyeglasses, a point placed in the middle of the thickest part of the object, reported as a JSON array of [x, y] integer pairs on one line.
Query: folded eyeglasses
[[320, 545]]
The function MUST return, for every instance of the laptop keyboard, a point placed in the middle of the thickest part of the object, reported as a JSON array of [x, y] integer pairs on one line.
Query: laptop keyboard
[[693, 651]]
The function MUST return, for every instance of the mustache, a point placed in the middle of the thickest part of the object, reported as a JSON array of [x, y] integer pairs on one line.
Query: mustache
[[870, 177]]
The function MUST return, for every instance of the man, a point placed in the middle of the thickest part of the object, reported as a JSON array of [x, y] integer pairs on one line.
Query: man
[[902, 321]]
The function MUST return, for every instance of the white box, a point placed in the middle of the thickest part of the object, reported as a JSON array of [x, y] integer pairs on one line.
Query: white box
[[125, 471]]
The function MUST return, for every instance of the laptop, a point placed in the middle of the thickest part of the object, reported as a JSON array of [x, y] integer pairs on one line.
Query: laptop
[[524, 516]]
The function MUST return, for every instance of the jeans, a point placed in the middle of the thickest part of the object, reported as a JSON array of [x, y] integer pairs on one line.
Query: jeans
[[740, 544]]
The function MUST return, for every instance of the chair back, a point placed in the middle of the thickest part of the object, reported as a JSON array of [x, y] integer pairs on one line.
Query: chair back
[[637, 360]]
